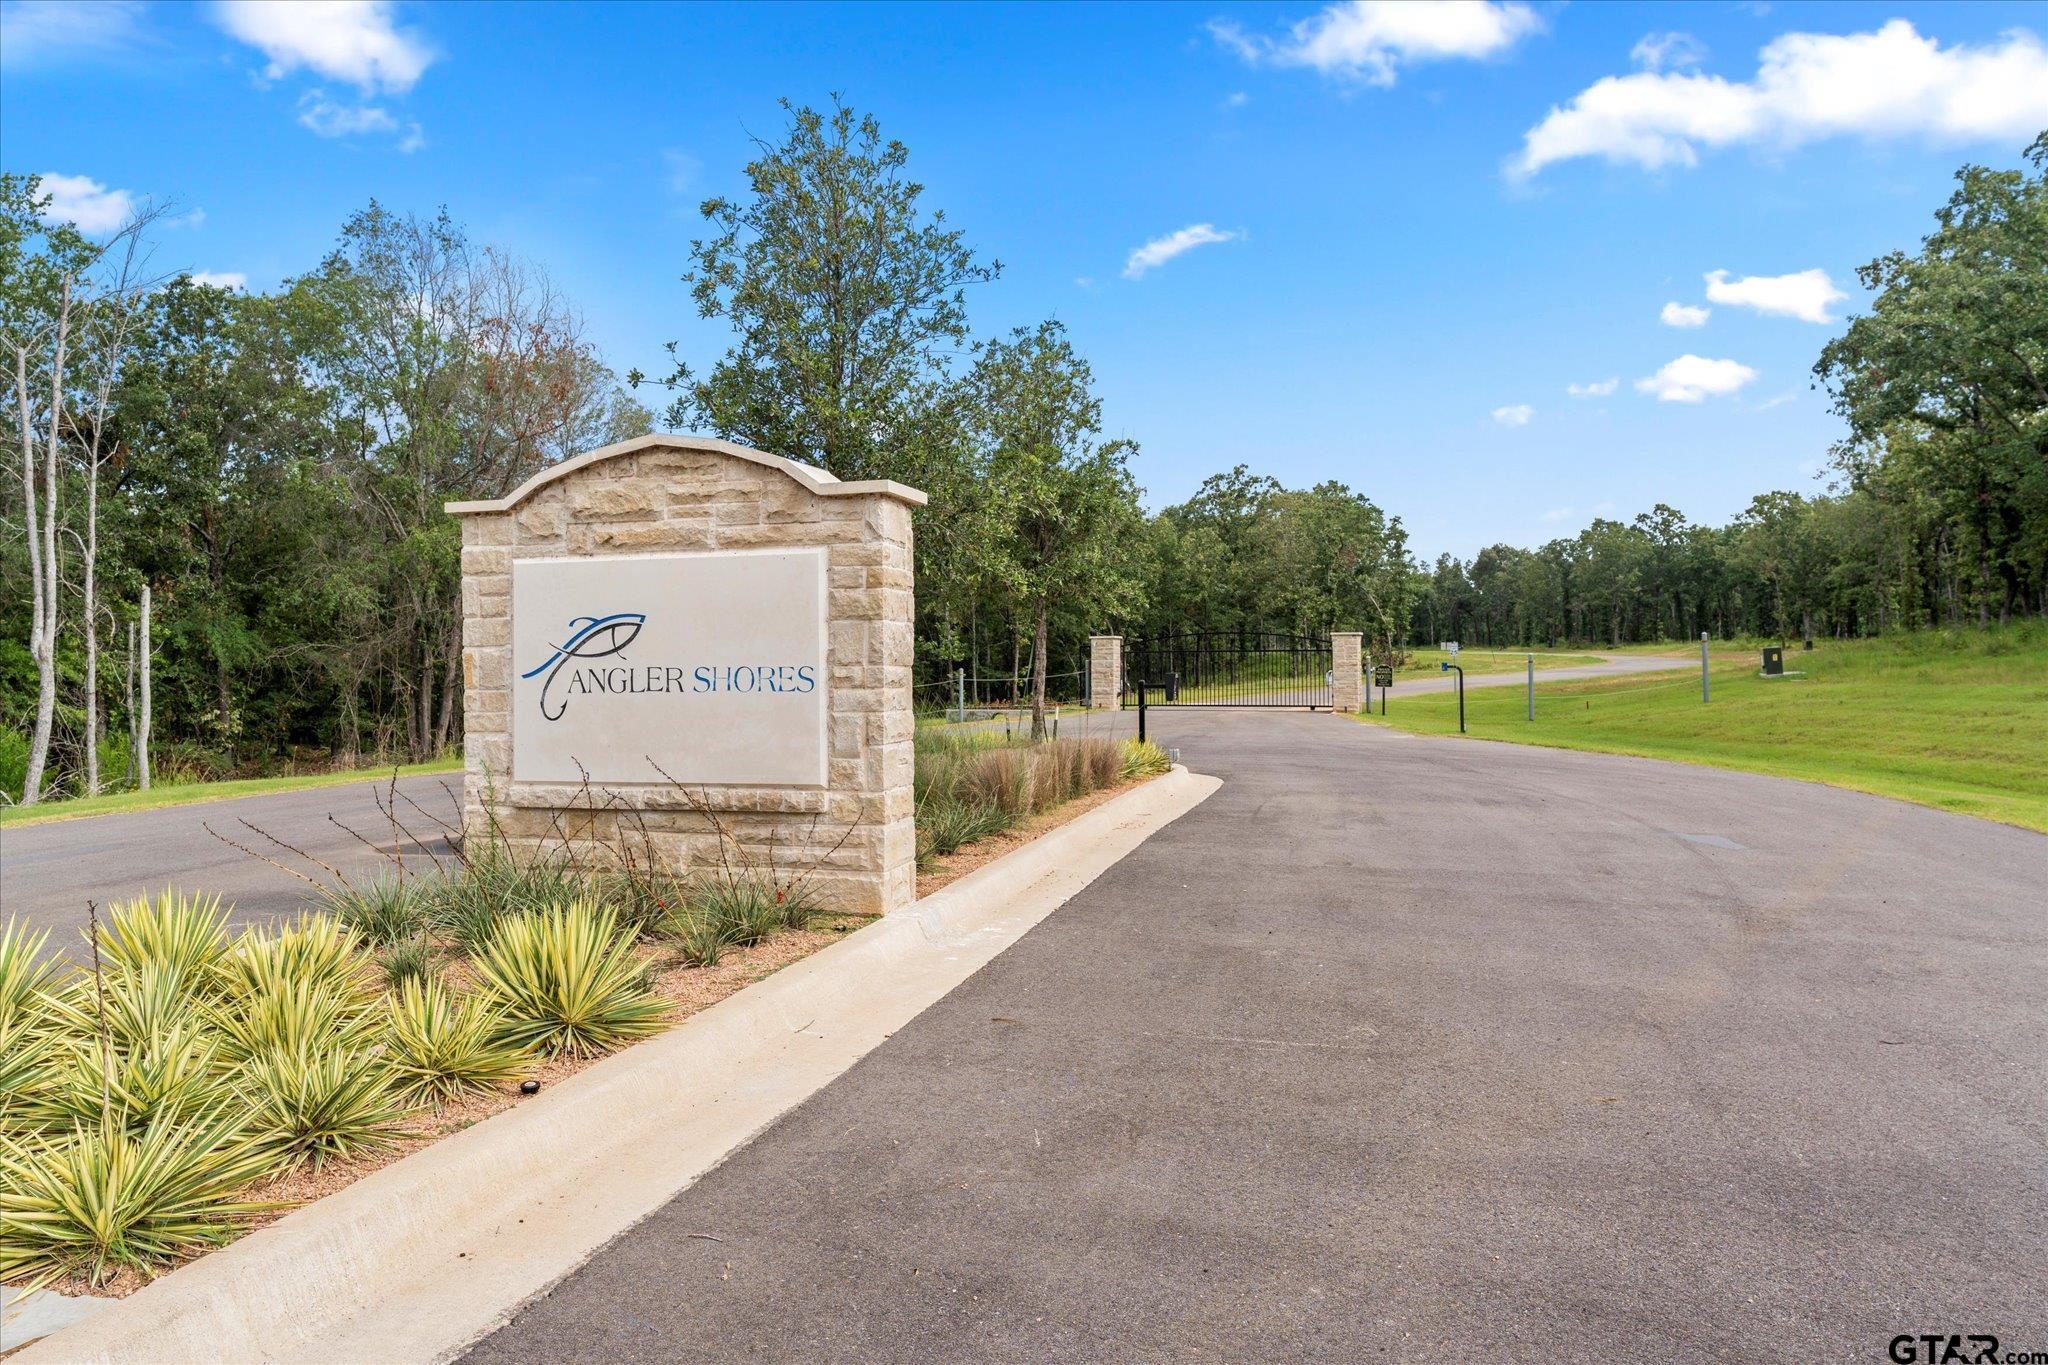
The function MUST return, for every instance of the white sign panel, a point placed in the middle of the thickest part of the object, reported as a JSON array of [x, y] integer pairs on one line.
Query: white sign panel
[[710, 665]]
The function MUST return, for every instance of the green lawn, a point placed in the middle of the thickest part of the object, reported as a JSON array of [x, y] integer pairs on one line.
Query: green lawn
[[190, 793], [1954, 720]]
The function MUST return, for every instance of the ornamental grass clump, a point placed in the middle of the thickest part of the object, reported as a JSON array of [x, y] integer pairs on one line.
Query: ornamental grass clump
[[565, 981], [102, 1198], [385, 911], [439, 1047]]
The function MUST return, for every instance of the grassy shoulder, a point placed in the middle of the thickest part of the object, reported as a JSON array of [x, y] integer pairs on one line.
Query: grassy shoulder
[[192, 793], [1957, 721]]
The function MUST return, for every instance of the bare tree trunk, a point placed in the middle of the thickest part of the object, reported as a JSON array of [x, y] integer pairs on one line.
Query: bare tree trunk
[[451, 677], [128, 700], [43, 578], [143, 723], [92, 629], [1038, 677]]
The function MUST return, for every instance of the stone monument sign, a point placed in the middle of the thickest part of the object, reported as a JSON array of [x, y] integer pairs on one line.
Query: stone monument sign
[[688, 642]]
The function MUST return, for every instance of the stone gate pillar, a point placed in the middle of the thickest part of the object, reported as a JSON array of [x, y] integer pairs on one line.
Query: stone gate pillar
[[1347, 669], [1105, 672], [682, 648]]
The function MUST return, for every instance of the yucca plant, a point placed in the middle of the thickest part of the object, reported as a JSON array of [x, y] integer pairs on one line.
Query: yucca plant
[[565, 981], [294, 1018], [385, 911], [311, 952], [310, 1103], [101, 1198], [26, 977], [33, 1061], [127, 1008], [438, 1047], [183, 935], [1142, 758], [173, 1074]]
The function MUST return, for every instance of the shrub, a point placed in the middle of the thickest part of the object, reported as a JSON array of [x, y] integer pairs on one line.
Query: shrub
[[31, 1068], [311, 1102], [565, 981], [102, 1198], [183, 935], [384, 911], [439, 1048]]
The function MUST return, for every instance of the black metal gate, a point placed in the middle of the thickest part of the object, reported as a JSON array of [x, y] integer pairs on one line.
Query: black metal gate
[[1236, 669]]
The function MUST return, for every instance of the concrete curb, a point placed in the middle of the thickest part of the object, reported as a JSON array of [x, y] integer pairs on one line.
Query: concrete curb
[[420, 1259]]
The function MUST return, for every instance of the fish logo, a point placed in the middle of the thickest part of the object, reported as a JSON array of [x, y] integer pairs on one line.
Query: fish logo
[[590, 637]]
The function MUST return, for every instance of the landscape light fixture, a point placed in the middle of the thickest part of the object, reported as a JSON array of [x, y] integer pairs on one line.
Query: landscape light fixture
[[1450, 667]]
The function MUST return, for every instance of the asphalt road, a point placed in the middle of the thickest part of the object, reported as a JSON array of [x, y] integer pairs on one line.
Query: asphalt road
[[48, 872], [1407, 1048]]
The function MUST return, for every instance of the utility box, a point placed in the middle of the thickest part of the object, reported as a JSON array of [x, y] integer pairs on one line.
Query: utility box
[[1774, 662]]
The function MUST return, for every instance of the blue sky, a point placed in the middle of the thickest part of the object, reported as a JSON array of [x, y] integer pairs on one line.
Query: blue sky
[[1403, 285]]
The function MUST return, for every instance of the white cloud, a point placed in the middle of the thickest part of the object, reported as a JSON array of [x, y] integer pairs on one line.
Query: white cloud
[[1236, 99], [36, 32], [1691, 378], [1598, 388], [84, 202], [343, 40], [1370, 40], [1516, 415], [1805, 295], [1659, 51], [330, 118], [1160, 250], [1684, 315], [220, 279], [1808, 86]]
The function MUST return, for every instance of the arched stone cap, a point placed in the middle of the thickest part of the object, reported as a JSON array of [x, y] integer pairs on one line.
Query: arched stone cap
[[813, 480]]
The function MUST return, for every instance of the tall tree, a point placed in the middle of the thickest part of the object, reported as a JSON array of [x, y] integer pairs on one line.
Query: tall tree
[[847, 300], [1059, 523]]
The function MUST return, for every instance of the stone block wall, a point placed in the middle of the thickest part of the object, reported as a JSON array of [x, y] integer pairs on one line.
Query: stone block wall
[[1105, 672], [1347, 669], [854, 837]]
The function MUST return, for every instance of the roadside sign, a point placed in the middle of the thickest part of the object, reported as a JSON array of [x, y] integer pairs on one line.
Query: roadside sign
[[1449, 647], [1383, 675]]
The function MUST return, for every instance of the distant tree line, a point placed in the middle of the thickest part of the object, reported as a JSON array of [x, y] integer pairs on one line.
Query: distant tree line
[[1939, 514], [260, 476]]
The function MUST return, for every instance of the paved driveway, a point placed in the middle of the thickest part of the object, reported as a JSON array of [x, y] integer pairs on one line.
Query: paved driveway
[[1410, 1048]]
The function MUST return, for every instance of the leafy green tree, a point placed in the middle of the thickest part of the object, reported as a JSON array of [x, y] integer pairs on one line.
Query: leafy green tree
[[1059, 517], [847, 300], [1949, 371]]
